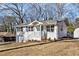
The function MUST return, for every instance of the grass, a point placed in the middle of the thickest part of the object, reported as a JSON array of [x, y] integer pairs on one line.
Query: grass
[[59, 48]]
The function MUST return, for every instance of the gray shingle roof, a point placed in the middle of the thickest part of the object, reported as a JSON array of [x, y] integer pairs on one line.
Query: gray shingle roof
[[49, 22], [43, 22]]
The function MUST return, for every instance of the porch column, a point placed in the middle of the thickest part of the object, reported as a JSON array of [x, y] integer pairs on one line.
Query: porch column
[[29, 28], [40, 27], [41, 32], [17, 38], [56, 31], [16, 29], [50, 28]]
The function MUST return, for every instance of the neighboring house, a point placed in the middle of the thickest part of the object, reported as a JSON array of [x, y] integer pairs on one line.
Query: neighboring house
[[76, 33], [7, 36], [1, 28], [39, 30]]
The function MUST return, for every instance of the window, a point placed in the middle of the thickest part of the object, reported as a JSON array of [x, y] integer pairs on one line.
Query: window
[[30, 28], [27, 29], [52, 28], [48, 28], [41, 28], [19, 29], [38, 28], [61, 29]]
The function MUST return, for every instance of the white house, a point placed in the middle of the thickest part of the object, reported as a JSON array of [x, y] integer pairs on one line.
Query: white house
[[39, 30], [76, 33]]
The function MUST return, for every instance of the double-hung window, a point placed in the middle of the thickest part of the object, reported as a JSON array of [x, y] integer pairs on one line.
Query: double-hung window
[[50, 28], [30, 28]]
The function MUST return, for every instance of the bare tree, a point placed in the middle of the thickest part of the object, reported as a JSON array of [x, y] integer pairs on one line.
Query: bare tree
[[8, 23], [41, 11], [17, 9], [60, 11], [36, 11]]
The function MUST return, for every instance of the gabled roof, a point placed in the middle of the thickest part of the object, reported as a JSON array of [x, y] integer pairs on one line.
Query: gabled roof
[[35, 23]]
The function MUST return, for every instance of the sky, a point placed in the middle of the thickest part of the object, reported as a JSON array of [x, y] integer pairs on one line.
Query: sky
[[72, 14], [73, 11]]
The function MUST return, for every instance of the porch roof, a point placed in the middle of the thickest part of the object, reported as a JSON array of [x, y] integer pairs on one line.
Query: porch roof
[[35, 23]]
